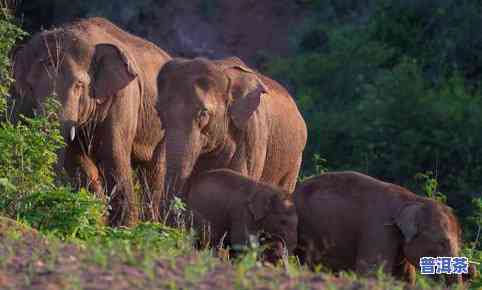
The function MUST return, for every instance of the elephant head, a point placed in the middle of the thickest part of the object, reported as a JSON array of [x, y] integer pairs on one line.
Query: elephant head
[[202, 101], [275, 215], [79, 74], [429, 229]]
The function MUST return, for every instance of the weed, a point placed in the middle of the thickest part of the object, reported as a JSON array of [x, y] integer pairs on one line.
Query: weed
[[429, 185]]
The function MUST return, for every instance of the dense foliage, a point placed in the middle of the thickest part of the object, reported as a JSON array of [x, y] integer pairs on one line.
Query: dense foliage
[[394, 93]]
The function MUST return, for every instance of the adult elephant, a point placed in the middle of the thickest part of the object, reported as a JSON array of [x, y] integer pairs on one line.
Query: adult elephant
[[105, 80], [222, 114]]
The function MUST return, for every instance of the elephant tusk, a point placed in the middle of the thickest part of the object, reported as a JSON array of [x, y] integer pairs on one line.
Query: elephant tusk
[[72, 133]]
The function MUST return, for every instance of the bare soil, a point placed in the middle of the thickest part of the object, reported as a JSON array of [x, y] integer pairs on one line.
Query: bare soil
[[29, 260]]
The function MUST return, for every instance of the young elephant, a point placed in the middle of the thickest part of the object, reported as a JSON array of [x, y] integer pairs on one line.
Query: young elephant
[[350, 221], [237, 206]]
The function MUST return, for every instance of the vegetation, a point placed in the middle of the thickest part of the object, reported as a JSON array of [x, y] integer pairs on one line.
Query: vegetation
[[396, 96]]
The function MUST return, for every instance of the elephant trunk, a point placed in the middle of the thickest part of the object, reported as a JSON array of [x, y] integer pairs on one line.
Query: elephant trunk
[[70, 118], [182, 153]]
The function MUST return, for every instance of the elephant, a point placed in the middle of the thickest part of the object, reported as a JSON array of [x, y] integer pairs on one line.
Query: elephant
[[351, 221], [105, 80], [222, 114], [242, 207]]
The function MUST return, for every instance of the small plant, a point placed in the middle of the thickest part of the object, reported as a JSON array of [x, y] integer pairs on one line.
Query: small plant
[[320, 164], [177, 211], [319, 167], [196, 270], [63, 212], [477, 217], [429, 186]]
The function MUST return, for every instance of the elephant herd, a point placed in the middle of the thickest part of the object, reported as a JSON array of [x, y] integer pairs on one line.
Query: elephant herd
[[224, 138]]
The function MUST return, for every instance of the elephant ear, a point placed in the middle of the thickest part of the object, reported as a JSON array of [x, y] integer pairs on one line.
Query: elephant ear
[[259, 205], [244, 90], [407, 221], [113, 71]]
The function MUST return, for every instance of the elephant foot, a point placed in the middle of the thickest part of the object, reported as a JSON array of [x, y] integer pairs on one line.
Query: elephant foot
[[122, 213]]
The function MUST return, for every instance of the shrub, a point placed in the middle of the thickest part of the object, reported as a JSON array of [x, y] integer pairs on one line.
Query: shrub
[[9, 34]]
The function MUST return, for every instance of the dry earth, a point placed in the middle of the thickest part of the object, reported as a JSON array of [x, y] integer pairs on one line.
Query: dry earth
[[30, 260]]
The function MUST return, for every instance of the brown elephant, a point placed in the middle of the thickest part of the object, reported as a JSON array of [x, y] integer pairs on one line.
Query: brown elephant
[[239, 206], [106, 82], [350, 221], [222, 114]]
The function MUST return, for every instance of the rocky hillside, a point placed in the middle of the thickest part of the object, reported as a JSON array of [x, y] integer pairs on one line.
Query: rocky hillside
[[213, 28]]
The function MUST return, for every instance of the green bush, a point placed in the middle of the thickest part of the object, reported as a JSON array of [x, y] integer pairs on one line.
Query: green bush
[[9, 34], [61, 211], [151, 237], [28, 152]]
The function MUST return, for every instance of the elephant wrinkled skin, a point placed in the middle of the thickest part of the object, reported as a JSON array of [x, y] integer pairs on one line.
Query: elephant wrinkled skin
[[106, 82], [239, 206], [350, 221], [221, 114]]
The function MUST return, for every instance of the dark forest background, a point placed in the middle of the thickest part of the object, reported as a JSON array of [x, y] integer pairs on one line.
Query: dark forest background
[[391, 88]]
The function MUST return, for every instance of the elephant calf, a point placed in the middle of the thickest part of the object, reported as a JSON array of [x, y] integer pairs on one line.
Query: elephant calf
[[237, 207], [350, 221]]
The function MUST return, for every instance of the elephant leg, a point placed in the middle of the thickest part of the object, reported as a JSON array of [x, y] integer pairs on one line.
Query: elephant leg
[[115, 159], [82, 170], [406, 272], [377, 248], [208, 234], [94, 183], [119, 185], [153, 185], [117, 133], [239, 234], [304, 248], [288, 182]]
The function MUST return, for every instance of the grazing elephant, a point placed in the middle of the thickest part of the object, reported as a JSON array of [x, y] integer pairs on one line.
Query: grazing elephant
[[221, 114], [239, 206], [106, 82], [350, 221]]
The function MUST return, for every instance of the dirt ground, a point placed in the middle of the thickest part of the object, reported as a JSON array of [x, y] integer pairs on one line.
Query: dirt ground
[[29, 260]]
